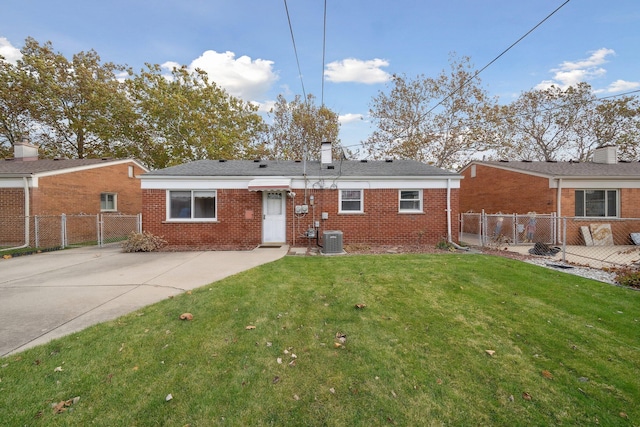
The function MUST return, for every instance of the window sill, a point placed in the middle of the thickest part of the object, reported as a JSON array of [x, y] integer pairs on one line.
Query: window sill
[[191, 221], [351, 213], [598, 218], [411, 212]]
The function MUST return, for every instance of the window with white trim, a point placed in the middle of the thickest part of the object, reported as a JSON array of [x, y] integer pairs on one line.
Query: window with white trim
[[108, 202], [351, 201], [410, 201], [596, 203], [192, 205]]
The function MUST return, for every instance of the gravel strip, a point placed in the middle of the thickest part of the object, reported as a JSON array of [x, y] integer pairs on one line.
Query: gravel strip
[[589, 273]]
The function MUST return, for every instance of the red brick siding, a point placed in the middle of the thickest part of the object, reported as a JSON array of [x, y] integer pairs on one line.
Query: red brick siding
[[231, 231], [11, 216], [79, 192], [379, 224], [496, 190]]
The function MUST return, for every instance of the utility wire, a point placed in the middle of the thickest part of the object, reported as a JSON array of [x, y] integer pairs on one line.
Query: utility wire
[[324, 49], [295, 50], [504, 117], [496, 58]]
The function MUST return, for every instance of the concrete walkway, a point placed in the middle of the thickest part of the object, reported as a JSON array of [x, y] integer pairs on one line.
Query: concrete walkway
[[49, 295]]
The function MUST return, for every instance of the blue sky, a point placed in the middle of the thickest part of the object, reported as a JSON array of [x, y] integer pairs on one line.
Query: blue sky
[[246, 45]]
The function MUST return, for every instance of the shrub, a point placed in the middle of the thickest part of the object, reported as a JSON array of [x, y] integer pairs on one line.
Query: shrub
[[444, 245], [143, 242], [628, 277]]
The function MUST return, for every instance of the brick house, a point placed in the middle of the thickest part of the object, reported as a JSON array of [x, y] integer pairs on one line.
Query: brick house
[[30, 186], [602, 190], [241, 204]]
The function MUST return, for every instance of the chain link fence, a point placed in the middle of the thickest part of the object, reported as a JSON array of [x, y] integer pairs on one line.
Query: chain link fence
[[593, 242], [62, 231]]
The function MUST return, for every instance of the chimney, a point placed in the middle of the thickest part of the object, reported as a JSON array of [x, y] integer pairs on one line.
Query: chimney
[[325, 152], [24, 151], [607, 154]]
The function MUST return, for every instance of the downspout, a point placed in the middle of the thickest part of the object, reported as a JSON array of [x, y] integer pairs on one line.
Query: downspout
[[449, 240], [26, 216]]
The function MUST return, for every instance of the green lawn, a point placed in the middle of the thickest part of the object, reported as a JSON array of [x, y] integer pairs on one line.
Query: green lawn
[[566, 350]]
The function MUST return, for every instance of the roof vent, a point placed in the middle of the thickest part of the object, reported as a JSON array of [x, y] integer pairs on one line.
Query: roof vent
[[331, 167], [222, 160], [256, 160], [503, 161], [298, 161], [526, 161], [262, 166], [552, 161], [363, 161], [389, 160]]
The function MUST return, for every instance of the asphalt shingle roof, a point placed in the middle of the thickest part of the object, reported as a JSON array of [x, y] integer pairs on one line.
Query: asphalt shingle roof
[[572, 169], [45, 165], [346, 168]]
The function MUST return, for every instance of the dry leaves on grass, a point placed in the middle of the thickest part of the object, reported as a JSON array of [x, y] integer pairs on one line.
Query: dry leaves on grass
[[62, 406], [250, 327], [186, 316], [547, 374]]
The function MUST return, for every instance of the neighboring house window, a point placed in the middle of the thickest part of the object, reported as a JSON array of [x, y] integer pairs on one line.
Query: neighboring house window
[[410, 201], [351, 201], [192, 204], [108, 202], [597, 203]]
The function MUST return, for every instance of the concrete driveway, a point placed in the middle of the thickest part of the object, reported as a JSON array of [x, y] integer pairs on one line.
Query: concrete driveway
[[49, 295]]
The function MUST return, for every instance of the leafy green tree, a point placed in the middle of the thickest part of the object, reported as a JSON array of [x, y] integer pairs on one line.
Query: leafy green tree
[[301, 125], [436, 120], [185, 117], [78, 105], [15, 119]]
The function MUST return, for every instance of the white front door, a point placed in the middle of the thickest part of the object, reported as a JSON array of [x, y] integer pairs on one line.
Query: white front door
[[274, 219]]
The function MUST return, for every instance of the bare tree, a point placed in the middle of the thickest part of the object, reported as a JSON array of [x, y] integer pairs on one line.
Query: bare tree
[[436, 120]]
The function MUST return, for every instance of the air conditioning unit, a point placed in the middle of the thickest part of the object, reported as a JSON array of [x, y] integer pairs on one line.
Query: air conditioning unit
[[332, 242]]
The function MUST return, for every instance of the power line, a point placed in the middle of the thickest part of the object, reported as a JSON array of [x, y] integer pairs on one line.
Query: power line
[[295, 50], [324, 44], [504, 117], [497, 57]]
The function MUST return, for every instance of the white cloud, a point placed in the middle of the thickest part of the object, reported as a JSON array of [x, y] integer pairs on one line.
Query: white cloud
[[356, 70], [622, 86], [570, 73], [597, 57], [10, 53], [350, 118], [242, 77]]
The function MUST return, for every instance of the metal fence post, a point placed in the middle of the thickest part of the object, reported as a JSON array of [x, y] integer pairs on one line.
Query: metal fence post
[[63, 231], [483, 226], [100, 229], [36, 230], [564, 240], [139, 224]]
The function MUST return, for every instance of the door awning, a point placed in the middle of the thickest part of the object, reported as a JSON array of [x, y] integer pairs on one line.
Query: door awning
[[270, 184]]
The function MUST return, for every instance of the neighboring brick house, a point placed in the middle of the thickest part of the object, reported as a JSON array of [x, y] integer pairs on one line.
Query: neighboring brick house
[[600, 190], [240, 204], [30, 186]]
